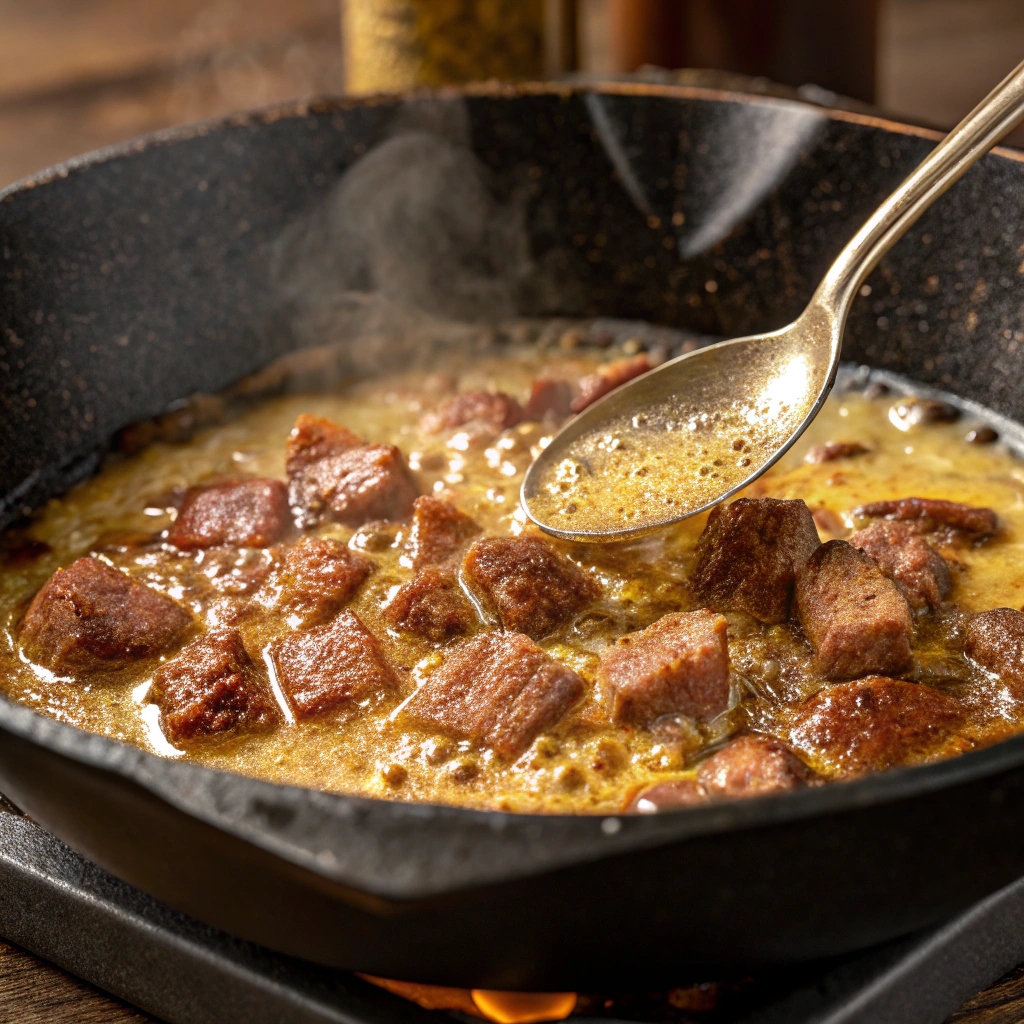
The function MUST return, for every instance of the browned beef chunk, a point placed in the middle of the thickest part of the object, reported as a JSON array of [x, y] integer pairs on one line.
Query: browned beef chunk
[[930, 515], [354, 487], [314, 438], [907, 559], [854, 616], [830, 451], [995, 640], [499, 689], [432, 606], [313, 580], [598, 384], [90, 616], [494, 409], [678, 664], [749, 553], [549, 399], [530, 586], [242, 513], [212, 687], [667, 796], [753, 765], [324, 668], [439, 530], [875, 723]]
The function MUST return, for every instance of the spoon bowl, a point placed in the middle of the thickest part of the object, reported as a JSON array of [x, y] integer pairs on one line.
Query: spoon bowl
[[684, 436], [697, 429]]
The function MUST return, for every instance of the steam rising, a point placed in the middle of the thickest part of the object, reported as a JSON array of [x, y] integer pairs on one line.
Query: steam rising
[[412, 256]]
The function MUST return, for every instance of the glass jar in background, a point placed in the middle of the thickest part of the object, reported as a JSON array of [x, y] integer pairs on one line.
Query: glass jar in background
[[397, 44]]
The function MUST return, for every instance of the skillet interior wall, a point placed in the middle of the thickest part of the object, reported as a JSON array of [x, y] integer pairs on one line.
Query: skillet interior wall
[[130, 284]]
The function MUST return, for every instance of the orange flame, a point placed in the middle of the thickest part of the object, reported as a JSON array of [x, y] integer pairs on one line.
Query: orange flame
[[500, 1007]]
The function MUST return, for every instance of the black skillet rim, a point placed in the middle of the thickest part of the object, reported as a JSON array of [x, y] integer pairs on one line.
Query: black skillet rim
[[596, 836]]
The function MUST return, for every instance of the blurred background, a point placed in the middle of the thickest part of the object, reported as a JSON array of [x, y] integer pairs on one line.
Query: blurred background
[[76, 75]]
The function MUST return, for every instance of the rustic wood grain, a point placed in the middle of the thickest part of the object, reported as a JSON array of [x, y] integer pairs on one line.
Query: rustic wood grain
[[35, 992], [1003, 1003]]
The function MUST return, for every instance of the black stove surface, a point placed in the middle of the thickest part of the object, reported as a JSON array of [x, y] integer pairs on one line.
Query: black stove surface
[[63, 908]]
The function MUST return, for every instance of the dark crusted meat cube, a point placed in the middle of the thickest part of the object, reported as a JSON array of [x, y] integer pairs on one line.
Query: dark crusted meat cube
[[438, 531], [314, 438], [995, 640], [606, 379], [432, 606], [242, 513], [907, 559], [855, 617], [753, 765], [212, 687], [931, 515], [530, 586], [875, 723], [749, 553], [354, 487], [90, 616], [667, 796], [500, 690], [328, 666], [313, 580], [830, 451], [678, 664], [494, 409]]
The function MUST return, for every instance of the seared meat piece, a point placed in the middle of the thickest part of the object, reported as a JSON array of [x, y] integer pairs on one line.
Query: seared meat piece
[[753, 765], [932, 514], [549, 399], [913, 412], [875, 723], [439, 530], [499, 689], [678, 664], [995, 640], [832, 450], [494, 409], [854, 616], [89, 616], [210, 688], [749, 553], [907, 559], [333, 474], [432, 606], [242, 513], [530, 586], [607, 378], [314, 438], [667, 796], [328, 666], [313, 580]]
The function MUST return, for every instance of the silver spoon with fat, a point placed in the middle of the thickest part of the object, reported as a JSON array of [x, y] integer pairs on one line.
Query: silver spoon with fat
[[687, 435]]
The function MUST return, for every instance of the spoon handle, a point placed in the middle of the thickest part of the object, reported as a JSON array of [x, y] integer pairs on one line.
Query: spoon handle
[[996, 115]]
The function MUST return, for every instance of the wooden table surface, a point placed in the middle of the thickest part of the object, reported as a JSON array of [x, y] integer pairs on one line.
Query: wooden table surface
[[33, 991]]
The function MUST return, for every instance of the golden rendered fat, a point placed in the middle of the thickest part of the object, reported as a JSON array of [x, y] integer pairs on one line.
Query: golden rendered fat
[[584, 765]]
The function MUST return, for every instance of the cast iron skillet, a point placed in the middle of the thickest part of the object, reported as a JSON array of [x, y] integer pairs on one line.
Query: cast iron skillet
[[138, 276]]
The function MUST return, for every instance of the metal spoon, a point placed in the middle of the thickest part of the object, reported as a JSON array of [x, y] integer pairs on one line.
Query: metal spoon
[[687, 435]]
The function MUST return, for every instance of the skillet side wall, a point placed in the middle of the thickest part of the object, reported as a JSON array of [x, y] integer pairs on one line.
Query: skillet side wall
[[130, 283], [711, 907], [133, 282]]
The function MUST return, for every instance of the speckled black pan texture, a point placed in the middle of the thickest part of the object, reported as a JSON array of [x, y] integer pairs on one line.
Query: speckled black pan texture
[[139, 276]]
